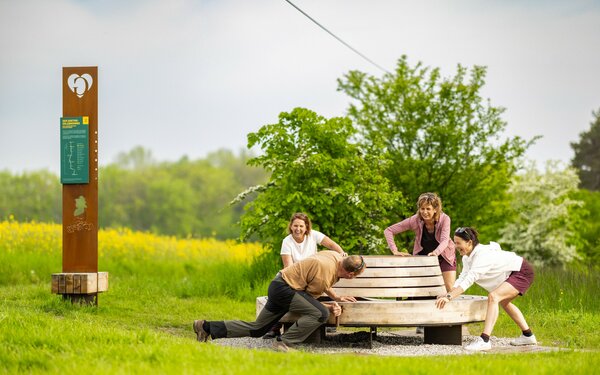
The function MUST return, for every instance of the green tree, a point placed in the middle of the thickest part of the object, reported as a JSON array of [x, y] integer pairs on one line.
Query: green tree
[[317, 170], [587, 155], [543, 228], [182, 198], [589, 227], [30, 196], [437, 135]]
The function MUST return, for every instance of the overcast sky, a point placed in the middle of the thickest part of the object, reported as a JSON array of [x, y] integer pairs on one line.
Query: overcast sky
[[189, 77]]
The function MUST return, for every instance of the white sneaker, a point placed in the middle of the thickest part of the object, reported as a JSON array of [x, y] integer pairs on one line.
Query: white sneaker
[[524, 340], [479, 345]]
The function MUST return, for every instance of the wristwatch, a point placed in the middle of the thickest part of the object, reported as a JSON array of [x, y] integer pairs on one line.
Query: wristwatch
[[449, 296]]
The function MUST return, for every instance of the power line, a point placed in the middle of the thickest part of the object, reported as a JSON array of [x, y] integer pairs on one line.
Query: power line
[[336, 37]]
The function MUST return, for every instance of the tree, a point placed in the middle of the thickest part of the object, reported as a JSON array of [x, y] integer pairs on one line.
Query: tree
[[317, 170], [436, 135], [543, 226], [183, 198], [587, 155], [589, 228], [30, 196]]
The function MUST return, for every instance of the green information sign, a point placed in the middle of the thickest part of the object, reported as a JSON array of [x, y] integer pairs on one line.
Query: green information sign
[[74, 150]]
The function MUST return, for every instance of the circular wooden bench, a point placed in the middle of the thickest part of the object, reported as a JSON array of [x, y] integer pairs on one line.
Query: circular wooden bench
[[396, 291]]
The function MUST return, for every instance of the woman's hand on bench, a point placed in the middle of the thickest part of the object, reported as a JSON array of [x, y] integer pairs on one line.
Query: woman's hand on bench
[[400, 253]]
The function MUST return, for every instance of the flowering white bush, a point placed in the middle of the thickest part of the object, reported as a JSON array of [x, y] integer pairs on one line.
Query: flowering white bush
[[543, 226]]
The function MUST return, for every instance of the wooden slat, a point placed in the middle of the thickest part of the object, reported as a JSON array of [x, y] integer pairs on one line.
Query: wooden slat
[[54, 283], [102, 282], [391, 292], [390, 282], [400, 261], [61, 283], [69, 283], [76, 284], [89, 283], [463, 309], [400, 271], [422, 312]]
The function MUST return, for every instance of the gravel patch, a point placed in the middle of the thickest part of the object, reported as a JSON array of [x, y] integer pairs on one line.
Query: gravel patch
[[387, 344]]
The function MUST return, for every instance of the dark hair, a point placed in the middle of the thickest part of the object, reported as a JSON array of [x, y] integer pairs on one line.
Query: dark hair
[[303, 217], [467, 234], [354, 263]]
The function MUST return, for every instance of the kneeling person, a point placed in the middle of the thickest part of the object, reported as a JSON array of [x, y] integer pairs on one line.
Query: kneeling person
[[294, 289]]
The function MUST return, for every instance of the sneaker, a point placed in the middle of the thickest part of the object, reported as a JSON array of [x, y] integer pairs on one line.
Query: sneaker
[[524, 340], [280, 346], [479, 345], [201, 334], [420, 330]]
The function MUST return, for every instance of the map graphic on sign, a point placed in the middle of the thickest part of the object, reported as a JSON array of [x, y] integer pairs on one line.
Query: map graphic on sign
[[74, 150]]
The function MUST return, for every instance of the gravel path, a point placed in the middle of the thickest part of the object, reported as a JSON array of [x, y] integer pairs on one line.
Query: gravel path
[[391, 343]]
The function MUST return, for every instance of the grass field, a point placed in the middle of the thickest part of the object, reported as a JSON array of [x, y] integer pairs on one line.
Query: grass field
[[159, 285]]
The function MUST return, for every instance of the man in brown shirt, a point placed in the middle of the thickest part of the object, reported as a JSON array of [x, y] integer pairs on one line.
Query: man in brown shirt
[[294, 289]]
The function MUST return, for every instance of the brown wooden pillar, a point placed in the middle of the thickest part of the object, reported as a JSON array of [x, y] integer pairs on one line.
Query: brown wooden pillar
[[79, 176]]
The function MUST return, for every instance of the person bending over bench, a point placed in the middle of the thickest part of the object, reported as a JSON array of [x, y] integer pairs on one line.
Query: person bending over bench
[[502, 273], [294, 289]]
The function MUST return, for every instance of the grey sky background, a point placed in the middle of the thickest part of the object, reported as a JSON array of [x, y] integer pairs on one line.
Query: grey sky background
[[189, 77]]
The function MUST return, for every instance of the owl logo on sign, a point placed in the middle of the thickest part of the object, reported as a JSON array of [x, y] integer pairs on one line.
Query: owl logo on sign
[[79, 84]]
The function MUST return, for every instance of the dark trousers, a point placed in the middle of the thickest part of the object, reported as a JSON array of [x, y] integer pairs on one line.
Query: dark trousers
[[281, 299]]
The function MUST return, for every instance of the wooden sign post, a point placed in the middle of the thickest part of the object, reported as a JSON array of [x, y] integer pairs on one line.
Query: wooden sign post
[[80, 280]]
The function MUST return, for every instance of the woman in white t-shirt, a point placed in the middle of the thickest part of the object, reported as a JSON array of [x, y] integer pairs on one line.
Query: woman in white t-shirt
[[301, 243]]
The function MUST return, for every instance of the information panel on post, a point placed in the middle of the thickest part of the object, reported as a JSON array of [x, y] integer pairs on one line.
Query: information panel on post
[[74, 150]]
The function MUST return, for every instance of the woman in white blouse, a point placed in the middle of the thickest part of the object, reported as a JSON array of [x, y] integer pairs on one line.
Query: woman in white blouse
[[504, 274]]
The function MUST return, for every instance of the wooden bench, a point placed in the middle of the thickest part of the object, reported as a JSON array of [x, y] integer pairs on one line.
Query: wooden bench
[[398, 291]]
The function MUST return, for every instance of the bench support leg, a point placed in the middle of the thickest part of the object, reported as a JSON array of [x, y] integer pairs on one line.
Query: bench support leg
[[444, 335], [372, 336]]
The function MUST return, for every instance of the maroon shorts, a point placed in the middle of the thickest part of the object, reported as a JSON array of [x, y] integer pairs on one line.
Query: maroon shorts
[[445, 266], [521, 279]]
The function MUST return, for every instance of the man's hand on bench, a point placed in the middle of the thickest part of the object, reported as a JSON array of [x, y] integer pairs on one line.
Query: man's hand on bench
[[346, 299], [334, 308]]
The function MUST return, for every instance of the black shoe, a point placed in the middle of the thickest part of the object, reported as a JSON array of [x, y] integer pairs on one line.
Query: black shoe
[[201, 334], [271, 334]]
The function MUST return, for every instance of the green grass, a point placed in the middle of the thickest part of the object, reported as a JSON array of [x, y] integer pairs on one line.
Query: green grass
[[143, 323]]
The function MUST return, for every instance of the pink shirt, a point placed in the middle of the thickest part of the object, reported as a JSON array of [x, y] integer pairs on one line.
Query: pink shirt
[[415, 223]]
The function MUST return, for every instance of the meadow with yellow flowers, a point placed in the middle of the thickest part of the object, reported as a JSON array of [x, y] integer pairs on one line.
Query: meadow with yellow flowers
[[158, 285]]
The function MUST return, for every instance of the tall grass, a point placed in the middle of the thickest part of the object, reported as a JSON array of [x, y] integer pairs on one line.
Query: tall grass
[[31, 252]]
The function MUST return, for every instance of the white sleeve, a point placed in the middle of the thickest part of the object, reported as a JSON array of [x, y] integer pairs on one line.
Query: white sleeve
[[480, 266], [286, 249], [317, 236]]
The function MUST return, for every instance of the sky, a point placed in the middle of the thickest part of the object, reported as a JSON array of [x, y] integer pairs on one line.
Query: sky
[[185, 78]]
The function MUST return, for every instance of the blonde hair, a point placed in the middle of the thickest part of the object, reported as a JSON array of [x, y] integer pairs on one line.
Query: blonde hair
[[434, 201]]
